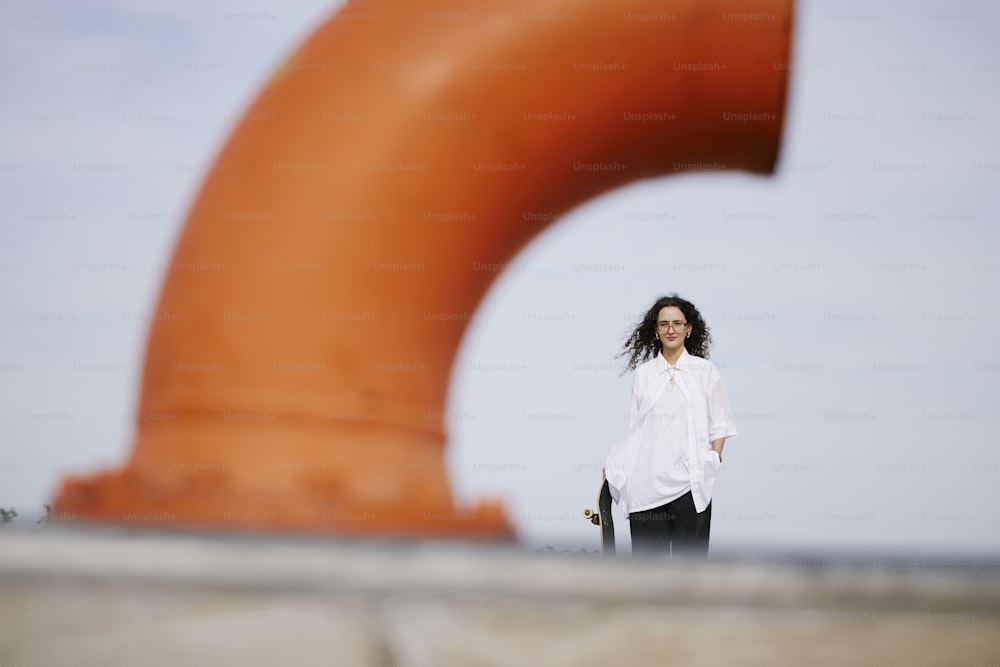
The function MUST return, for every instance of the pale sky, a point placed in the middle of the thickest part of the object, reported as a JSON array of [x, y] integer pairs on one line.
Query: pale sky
[[851, 296]]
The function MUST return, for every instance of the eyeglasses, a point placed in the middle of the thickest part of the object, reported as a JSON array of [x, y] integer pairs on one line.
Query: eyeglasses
[[666, 326]]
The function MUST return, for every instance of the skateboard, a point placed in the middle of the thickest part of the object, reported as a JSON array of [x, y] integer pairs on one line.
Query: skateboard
[[602, 517]]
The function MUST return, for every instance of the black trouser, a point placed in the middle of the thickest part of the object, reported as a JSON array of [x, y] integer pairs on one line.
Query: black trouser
[[671, 529]]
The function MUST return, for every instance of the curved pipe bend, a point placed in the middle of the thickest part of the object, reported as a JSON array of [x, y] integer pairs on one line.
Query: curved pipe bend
[[328, 268]]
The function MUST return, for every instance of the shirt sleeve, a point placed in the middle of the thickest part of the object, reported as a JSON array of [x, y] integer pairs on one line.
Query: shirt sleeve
[[721, 423], [633, 412]]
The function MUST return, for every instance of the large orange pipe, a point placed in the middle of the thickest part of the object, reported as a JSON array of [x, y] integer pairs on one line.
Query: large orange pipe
[[297, 371]]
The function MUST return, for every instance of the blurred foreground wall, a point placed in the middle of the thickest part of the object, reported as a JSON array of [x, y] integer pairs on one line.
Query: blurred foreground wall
[[98, 598]]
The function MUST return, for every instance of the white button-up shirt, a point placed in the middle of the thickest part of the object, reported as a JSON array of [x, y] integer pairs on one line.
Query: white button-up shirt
[[709, 417]]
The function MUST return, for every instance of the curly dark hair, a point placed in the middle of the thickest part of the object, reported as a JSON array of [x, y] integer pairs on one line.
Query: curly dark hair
[[642, 344]]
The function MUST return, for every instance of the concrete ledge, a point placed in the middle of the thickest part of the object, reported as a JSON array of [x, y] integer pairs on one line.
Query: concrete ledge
[[116, 597]]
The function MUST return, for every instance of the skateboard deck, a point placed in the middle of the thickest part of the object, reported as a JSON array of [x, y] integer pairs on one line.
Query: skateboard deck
[[602, 518]]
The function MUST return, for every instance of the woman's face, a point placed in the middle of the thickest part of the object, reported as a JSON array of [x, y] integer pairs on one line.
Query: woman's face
[[672, 328]]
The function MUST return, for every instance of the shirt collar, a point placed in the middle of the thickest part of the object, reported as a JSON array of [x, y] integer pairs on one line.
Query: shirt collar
[[683, 361]]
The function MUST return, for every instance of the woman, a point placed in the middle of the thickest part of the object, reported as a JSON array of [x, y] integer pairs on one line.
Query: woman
[[662, 471]]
